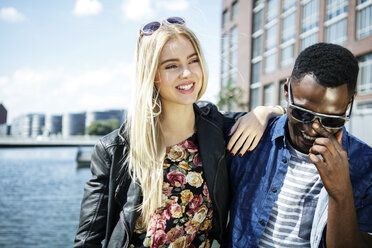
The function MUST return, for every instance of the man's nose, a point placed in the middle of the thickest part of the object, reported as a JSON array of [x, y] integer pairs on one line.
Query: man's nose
[[309, 127]]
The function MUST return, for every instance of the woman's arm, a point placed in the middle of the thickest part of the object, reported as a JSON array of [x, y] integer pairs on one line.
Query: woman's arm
[[248, 129], [93, 213]]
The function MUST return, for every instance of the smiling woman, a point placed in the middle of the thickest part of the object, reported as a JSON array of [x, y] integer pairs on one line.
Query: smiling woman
[[154, 181]]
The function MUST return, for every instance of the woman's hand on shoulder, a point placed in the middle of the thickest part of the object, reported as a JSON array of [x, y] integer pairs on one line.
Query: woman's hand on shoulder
[[248, 129]]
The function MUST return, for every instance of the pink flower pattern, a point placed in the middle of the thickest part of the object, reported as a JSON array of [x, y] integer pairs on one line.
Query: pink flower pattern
[[177, 220]]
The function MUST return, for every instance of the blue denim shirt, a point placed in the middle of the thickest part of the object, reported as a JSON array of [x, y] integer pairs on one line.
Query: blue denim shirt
[[257, 177]]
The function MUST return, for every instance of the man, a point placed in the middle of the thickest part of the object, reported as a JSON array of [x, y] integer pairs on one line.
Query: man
[[308, 183]]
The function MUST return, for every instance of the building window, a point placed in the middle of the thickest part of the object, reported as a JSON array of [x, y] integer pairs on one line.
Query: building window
[[270, 63], [272, 10], [224, 65], [289, 27], [287, 55], [224, 55], [288, 4], [271, 37], [310, 15], [234, 10], [224, 81], [233, 59], [336, 32], [336, 21], [309, 22], [234, 48], [225, 18], [336, 8], [254, 98], [364, 18], [256, 72], [257, 21], [233, 79], [365, 74], [269, 95], [258, 3], [256, 48], [225, 43], [309, 40], [234, 37]]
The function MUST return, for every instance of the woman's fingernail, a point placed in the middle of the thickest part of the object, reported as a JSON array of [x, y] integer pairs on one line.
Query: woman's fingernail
[[227, 149], [240, 155], [249, 151], [232, 154]]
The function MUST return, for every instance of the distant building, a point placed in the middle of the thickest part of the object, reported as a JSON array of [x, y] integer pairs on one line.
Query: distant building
[[262, 38], [73, 124], [4, 129], [38, 122], [104, 116], [53, 125], [22, 125], [3, 114]]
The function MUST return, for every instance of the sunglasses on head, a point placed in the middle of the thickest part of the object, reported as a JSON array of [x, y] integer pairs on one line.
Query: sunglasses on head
[[151, 27], [308, 116]]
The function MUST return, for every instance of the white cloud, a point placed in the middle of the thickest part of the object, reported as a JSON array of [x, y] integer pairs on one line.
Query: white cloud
[[11, 15], [58, 90], [144, 9], [137, 9], [4, 81], [171, 5], [87, 7]]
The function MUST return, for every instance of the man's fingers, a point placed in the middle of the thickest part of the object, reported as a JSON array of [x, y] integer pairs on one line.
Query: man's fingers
[[339, 136], [321, 166], [321, 130], [322, 150]]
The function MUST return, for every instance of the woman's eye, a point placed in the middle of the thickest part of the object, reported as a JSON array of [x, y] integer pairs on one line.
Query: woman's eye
[[170, 67], [194, 61]]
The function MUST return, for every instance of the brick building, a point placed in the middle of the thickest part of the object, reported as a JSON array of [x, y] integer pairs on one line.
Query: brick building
[[262, 38]]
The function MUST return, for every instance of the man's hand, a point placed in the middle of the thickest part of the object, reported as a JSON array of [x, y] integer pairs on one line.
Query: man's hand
[[334, 168]]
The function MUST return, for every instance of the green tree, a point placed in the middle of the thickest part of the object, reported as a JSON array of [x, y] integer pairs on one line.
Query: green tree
[[231, 97], [102, 127]]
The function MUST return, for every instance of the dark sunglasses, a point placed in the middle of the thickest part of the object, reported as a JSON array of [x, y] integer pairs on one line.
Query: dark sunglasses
[[308, 116], [151, 27]]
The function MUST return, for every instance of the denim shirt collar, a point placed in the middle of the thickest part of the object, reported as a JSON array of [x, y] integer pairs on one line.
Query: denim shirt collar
[[280, 128]]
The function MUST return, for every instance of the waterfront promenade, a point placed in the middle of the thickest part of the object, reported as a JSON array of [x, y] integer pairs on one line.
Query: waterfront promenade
[[40, 141]]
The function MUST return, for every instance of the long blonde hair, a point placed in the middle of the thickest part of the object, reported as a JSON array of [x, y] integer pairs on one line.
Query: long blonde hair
[[147, 149]]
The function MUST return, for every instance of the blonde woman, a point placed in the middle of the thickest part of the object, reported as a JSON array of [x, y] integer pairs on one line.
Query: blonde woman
[[161, 180]]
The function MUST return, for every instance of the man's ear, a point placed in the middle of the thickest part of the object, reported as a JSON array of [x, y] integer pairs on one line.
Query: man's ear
[[351, 100], [285, 88]]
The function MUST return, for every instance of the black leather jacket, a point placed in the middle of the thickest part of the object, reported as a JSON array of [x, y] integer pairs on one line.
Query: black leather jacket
[[104, 216]]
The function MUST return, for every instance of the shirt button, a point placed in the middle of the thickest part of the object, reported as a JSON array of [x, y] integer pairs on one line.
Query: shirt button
[[274, 190], [262, 222], [284, 160]]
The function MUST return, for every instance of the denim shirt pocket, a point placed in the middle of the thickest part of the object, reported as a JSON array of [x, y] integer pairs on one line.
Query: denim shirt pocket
[[307, 217]]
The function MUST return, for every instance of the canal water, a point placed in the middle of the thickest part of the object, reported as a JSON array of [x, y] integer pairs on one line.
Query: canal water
[[40, 195]]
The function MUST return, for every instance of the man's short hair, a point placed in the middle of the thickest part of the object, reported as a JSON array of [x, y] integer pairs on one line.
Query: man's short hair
[[331, 66]]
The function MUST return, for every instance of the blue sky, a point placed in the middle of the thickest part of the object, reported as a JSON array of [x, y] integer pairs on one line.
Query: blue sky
[[77, 55]]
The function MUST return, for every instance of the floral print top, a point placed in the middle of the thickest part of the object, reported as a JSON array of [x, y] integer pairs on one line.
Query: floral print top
[[185, 217]]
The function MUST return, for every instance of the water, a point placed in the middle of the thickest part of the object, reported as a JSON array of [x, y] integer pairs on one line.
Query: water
[[40, 196]]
